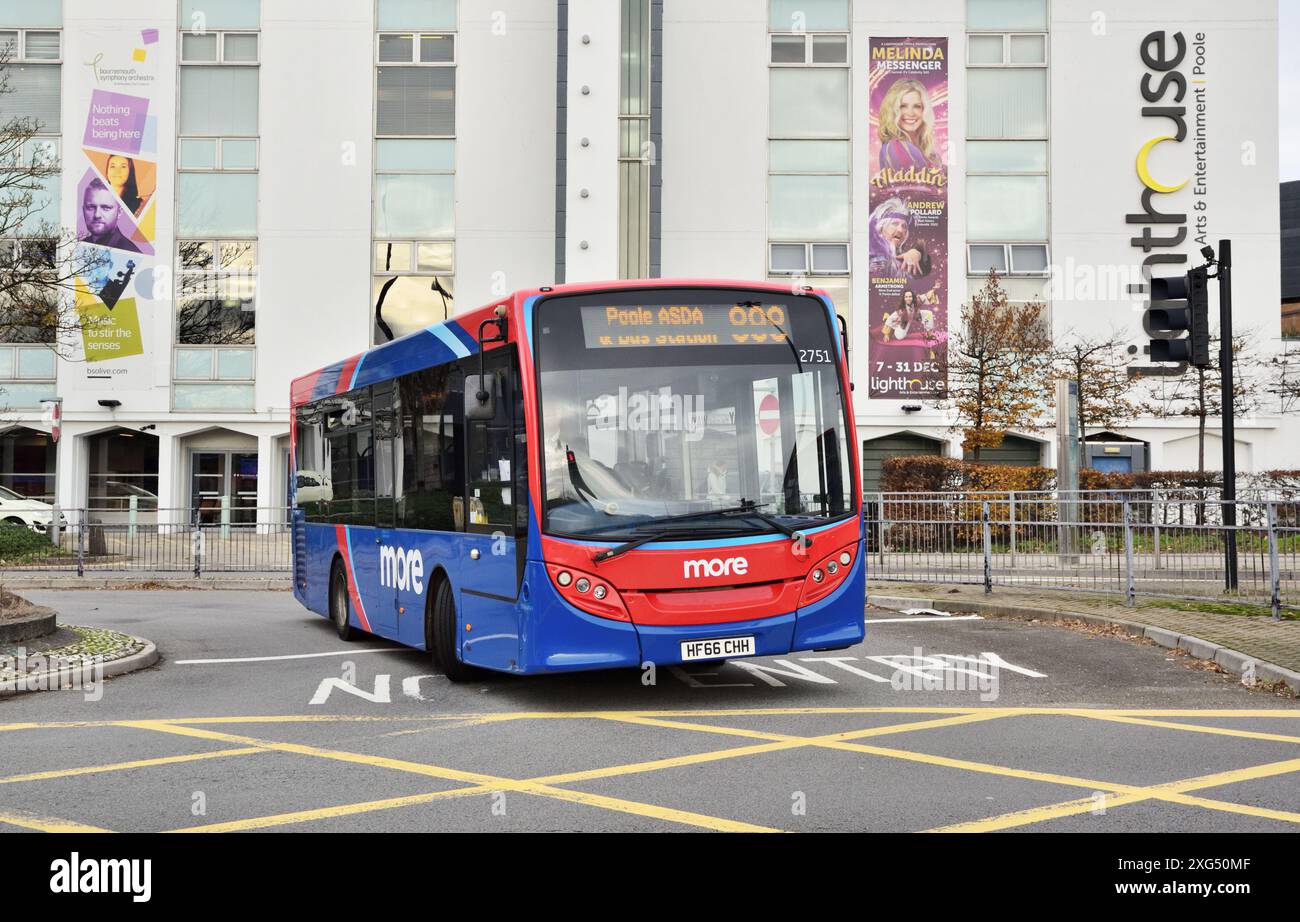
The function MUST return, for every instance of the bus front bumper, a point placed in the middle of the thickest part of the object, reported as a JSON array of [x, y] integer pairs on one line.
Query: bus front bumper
[[564, 638]]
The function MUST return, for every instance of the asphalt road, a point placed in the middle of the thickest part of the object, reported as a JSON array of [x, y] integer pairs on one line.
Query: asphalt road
[[258, 717]]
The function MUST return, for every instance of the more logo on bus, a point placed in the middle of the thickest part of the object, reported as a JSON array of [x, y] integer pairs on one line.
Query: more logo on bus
[[695, 569], [401, 569]]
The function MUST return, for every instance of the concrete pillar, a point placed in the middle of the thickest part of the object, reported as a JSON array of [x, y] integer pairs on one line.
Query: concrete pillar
[[268, 470], [70, 466], [591, 235], [173, 500]]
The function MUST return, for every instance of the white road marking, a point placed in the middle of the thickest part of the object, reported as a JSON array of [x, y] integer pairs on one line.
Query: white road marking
[[924, 619], [379, 696], [267, 659]]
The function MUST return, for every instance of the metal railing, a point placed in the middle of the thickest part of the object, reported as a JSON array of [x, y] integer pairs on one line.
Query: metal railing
[[162, 541], [1168, 544]]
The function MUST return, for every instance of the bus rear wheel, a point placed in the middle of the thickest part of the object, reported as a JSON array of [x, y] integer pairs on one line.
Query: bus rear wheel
[[440, 636], [339, 603]]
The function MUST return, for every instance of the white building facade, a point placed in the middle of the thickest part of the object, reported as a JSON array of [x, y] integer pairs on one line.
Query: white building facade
[[309, 177]]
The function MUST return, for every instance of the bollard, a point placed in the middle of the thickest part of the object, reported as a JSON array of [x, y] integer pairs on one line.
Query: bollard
[[880, 534], [196, 544], [53, 531], [1012, 517], [81, 543], [225, 518], [1130, 587], [988, 551], [132, 515], [1159, 561], [1275, 576]]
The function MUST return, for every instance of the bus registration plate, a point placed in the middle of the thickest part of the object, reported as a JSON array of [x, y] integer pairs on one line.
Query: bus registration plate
[[717, 648]]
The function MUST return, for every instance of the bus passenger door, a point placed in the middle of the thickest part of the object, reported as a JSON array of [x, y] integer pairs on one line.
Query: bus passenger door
[[489, 583], [393, 587]]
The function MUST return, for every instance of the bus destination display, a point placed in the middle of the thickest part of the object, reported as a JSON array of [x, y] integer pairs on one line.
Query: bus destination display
[[639, 326]]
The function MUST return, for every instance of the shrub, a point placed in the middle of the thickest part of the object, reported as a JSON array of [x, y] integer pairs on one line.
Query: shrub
[[20, 541], [1178, 480], [922, 474], [933, 474], [1090, 479]]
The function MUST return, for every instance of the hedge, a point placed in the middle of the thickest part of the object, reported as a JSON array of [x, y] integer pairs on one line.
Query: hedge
[[934, 474], [18, 541]]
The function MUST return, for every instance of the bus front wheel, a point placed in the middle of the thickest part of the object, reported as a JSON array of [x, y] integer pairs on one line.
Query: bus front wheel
[[440, 631], [339, 603]]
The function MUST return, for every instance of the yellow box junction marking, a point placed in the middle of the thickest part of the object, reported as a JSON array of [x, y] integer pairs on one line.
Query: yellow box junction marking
[[1112, 794]]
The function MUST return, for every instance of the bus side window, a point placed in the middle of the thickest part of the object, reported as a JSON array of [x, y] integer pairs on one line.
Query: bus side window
[[387, 411], [521, 453], [430, 485], [491, 457], [351, 450], [311, 474]]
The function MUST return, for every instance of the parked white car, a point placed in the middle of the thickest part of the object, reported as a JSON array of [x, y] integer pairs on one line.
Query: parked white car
[[16, 509]]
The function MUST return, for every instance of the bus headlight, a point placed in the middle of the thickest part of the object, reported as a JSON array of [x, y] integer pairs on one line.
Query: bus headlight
[[827, 574], [590, 594]]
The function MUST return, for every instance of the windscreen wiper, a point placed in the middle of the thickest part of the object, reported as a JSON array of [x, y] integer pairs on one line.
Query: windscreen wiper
[[753, 513], [658, 535], [748, 510], [681, 517]]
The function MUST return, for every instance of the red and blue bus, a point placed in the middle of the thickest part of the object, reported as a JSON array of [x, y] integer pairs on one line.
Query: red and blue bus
[[588, 476]]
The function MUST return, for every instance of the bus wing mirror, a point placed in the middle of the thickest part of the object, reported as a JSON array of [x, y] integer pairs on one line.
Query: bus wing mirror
[[479, 400]]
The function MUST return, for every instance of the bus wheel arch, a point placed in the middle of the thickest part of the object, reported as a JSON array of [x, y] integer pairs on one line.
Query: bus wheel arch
[[432, 585], [340, 603], [441, 629]]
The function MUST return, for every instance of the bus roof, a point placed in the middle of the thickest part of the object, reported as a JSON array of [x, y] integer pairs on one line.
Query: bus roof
[[457, 337]]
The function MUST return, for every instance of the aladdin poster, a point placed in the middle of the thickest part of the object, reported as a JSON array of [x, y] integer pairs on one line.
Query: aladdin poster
[[908, 288], [113, 181]]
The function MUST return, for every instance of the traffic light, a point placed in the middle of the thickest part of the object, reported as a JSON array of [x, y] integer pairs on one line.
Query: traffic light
[[1192, 316]]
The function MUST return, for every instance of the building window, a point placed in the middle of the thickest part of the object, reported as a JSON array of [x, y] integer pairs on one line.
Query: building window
[[416, 48], [27, 464], [122, 465], [219, 48], [413, 286], [216, 292], [809, 15], [1008, 192], [810, 49], [805, 258], [414, 219], [217, 121], [27, 376], [217, 154], [809, 190], [995, 15], [31, 44], [634, 140]]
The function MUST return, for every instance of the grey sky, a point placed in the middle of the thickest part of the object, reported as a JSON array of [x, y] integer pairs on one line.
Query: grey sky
[[1289, 80]]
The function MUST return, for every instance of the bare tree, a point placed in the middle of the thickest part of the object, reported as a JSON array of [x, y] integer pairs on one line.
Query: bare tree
[[1098, 365], [215, 293], [998, 368], [1198, 393], [1284, 382], [40, 261]]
